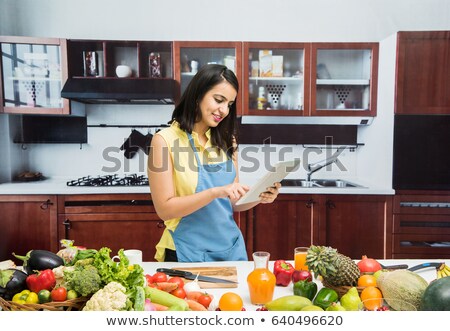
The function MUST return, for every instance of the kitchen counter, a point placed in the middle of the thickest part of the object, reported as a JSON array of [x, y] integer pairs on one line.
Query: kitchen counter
[[57, 185], [244, 268]]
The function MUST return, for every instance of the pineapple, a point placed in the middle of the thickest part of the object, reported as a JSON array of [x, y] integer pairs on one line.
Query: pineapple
[[336, 269]]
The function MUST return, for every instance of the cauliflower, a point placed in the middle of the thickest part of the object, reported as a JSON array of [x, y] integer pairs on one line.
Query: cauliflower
[[85, 280], [111, 297]]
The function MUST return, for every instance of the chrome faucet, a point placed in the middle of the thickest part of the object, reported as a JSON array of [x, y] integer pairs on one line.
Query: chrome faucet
[[313, 167]]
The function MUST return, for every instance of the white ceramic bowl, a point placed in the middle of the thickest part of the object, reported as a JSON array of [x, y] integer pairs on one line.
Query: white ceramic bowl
[[123, 71]]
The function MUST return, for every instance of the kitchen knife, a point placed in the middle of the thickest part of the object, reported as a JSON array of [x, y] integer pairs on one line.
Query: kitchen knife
[[425, 265], [397, 266], [190, 275]]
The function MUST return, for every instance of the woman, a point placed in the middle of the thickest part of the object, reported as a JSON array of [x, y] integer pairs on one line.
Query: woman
[[192, 173]]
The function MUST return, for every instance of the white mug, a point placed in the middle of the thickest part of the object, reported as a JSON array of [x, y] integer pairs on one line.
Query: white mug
[[134, 256]]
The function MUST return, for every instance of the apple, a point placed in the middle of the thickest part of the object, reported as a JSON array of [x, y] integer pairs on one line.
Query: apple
[[301, 275]]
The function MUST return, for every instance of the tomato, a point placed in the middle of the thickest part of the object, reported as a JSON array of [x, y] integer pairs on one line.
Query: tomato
[[59, 294], [230, 301], [178, 280], [159, 277], [179, 293], [149, 279], [204, 300]]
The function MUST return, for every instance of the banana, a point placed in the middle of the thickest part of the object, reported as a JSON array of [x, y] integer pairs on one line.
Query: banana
[[446, 272], [439, 274]]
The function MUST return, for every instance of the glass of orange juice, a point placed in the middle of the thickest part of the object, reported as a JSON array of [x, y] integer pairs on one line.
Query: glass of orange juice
[[300, 258]]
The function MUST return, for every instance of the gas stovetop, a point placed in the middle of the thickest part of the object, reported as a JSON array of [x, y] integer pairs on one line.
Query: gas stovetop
[[110, 180]]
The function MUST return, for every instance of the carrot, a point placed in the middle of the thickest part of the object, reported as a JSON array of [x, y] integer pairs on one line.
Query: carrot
[[194, 305], [160, 307], [166, 286], [194, 295]]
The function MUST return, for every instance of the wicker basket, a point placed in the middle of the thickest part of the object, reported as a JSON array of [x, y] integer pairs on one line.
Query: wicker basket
[[73, 304], [341, 290]]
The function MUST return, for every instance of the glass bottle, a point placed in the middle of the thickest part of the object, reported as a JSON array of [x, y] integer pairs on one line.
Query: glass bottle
[[261, 281]]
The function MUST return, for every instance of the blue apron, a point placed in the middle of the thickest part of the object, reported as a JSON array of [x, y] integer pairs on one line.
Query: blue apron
[[210, 233]]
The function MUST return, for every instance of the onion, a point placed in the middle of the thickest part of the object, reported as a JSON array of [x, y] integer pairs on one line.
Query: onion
[[368, 265], [192, 286]]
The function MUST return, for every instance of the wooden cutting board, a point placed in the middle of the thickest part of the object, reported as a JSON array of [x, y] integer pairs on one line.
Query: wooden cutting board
[[229, 273]]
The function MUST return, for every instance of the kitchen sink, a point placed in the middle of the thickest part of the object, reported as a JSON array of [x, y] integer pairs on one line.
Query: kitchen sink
[[319, 183]]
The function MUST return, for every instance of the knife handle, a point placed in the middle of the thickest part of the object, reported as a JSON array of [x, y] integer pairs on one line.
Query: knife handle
[[425, 265], [172, 272]]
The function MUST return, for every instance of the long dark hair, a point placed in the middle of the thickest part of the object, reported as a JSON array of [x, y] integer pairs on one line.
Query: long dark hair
[[187, 112]]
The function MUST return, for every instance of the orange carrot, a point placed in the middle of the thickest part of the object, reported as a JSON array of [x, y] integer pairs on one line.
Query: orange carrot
[[194, 305], [166, 286]]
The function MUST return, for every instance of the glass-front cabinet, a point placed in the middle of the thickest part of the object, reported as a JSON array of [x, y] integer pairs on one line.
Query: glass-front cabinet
[[190, 56], [276, 78], [344, 79], [33, 71]]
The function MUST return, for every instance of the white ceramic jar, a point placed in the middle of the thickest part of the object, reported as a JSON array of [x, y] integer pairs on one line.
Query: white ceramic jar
[[123, 71]]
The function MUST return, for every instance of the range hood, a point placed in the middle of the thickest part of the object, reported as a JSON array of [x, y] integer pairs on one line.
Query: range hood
[[121, 91]]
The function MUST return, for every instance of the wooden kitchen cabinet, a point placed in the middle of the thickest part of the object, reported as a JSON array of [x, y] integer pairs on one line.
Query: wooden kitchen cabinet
[[127, 221], [33, 71], [27, 222], [310, 79], [355, 225], [276, 79], [344, 79], [421, 225], [423, 73], [281, 226], [100, 58], [190, 56]]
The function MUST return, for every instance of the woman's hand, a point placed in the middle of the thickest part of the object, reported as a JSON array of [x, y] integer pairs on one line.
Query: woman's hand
[[232, 191], [271, 194]]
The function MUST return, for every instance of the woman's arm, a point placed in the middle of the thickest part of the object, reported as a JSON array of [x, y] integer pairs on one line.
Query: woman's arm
[[162, 187]]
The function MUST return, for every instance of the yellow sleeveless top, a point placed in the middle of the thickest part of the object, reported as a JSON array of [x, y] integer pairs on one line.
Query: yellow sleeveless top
[[185, 172]]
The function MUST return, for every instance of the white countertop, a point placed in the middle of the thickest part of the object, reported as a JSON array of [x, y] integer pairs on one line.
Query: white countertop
[[58, 185], [244, 268]]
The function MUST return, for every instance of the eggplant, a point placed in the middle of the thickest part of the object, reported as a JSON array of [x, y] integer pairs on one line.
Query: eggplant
[[38, 260], [12, 281]]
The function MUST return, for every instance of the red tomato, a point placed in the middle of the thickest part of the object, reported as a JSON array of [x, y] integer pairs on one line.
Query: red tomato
[[178, 280], [59, 294], [159, 277], [204, 300], [149, 279], [179, 293]]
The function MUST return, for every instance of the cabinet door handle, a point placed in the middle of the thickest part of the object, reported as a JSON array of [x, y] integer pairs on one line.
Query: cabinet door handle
[[46, 204], [330, 204], [310, 203], [160, 224], [66, 224]]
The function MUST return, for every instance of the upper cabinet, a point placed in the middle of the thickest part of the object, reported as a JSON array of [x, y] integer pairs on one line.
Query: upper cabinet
[[276, 78], [423, 73], [33, 71], [190, 56], [344, 79], [310, 79]]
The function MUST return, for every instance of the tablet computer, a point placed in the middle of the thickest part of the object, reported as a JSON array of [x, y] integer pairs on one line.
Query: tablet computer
[[279, 171]]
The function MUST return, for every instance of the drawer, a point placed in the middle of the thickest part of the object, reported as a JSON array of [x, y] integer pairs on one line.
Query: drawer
[[422, 224], [422, 204], [422, 245]]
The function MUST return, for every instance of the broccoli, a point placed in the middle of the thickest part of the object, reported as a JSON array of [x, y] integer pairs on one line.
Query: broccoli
[[84, 279]]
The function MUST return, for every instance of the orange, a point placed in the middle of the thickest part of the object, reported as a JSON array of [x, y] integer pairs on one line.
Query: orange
[[371, 297], [230, 301], [367, 280]]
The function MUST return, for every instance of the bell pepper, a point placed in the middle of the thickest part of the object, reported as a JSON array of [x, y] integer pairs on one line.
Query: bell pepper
[[325, 297], [305, 289], [283, 272], [44, 280]]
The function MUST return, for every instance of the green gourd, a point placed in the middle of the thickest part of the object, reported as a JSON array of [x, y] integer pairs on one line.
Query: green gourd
[[437, 295], [402, 285]]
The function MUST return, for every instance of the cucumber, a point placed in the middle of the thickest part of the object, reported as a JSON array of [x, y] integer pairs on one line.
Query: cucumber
[[164, 298], [139, 300]]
